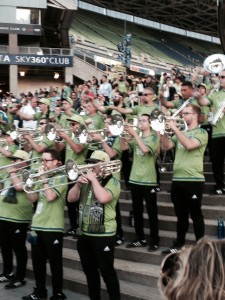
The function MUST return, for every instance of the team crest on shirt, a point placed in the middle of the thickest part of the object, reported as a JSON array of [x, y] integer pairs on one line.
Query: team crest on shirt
[[139, 151]]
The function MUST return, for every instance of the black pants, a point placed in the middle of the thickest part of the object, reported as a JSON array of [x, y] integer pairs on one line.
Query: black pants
[[72, 210], [49, 247], [139, 193], [218, 155], [13, 239], [97, 255], [119, 229], [187, 198]]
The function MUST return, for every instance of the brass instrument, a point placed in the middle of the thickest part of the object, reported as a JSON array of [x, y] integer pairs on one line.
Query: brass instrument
[[158, 122], [33, 161], [219, 114], [72, 170], [85, 136], [18, 133], [214, 63], [52, 131], [106, 168], [117, 125]]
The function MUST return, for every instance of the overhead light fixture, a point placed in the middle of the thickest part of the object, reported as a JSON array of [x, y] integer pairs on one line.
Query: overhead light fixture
[[22, 73], [56, 75]]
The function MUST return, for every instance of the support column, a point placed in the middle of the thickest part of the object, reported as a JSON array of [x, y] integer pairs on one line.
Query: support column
[[13, 69], [69, 75]]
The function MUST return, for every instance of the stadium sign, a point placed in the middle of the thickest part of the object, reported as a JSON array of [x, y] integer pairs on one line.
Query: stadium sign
[[37, 60], [22, 29], [142, 70]]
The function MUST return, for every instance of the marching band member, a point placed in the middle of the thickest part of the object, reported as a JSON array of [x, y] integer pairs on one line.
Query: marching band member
[[76, 151], [96, 242], [111, 145], [15, 216], [6, 151], [143, 181], [188, 177], [48, 225], [216, 100], [38, 147]]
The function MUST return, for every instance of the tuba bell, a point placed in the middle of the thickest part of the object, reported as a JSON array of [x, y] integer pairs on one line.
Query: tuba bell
[[214, 63]]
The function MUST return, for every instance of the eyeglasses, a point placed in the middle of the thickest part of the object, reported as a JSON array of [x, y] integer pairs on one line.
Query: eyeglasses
[[187, 113], [42, 123], [115, 97], [221, 77], [46, 160], [73, 124], [147, 94]]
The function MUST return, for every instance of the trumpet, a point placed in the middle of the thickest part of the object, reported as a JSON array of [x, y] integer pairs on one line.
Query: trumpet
[[18, 133], [158, 122], [219, 114], [52, 131], [214, 63], [117, 125], [85, 136]]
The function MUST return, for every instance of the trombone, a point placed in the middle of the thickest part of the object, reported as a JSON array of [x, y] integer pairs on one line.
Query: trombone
[[71, 170], [85, 136], [31, 160]]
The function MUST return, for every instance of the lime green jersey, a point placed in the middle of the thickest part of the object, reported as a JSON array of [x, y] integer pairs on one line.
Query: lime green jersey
[[188, 164], [4, 160], [143, 109], [217, 99], [143, 170], [91, 212], [18, 212], [49, 215], [80, 157]]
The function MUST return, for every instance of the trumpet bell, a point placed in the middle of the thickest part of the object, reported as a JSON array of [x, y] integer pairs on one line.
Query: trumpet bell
[[50, 132], [26, 178], [72, 170], [116, 127], [214, 63]]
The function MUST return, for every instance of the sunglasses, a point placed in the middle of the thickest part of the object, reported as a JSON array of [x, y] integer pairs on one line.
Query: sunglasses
[[42, 123]]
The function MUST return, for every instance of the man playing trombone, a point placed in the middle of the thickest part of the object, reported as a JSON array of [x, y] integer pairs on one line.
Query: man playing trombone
[[48, 225], [98, 197], [15, 216], [188, 178]]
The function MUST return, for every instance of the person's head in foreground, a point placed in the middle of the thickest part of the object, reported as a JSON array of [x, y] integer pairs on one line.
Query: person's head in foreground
[[195, 273]]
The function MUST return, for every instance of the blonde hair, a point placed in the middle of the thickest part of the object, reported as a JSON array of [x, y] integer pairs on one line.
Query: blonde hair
[[195, 273]]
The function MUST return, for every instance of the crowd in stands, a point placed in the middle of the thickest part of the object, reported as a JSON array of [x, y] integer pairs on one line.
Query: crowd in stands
[[115, 118]]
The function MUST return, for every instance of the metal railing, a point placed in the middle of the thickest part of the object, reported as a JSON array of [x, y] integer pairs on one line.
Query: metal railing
[[38, 50]]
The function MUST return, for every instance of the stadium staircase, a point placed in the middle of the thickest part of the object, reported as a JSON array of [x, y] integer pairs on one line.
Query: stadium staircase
[[138, 270]]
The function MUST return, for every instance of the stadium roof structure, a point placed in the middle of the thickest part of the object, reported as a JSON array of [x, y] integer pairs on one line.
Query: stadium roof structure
[[194, 15]]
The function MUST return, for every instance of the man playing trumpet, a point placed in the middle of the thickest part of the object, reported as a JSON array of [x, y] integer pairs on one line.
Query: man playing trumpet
[[188, 178]]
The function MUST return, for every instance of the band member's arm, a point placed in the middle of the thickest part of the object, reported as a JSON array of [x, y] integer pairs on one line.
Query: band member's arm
[[49, 192], [166, 143], [167, 104], [32, 197], [3, 122], [109, 150], [15, 179], [77, 148], [189, 144], [101, 194], [38, 148], [145, 149], [74, 192], [122, 110], [5, 152], [99, 107]]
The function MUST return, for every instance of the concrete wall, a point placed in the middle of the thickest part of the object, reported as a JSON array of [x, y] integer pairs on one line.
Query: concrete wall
[[30, 84], [84, 70], [8, 8]]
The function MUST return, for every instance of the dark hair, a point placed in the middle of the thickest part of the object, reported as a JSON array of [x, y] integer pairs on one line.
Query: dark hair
[[187, 83], [146, 115], [54, 154]]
